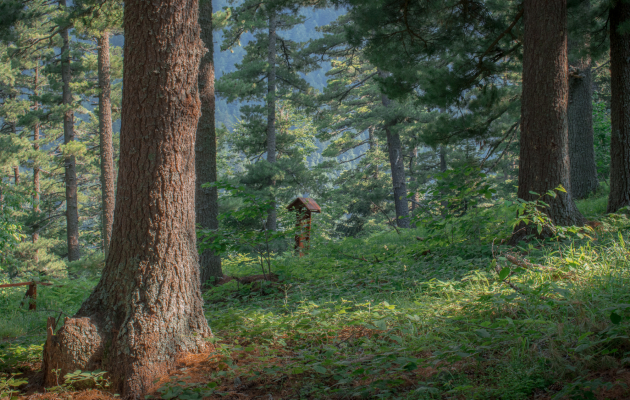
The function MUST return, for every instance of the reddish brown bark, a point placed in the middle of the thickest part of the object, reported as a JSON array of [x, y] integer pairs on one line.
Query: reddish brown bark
[[147, 308], [70, 163], [271, 111], [108, 190], [207, 199], [36, 186], [580, 114], [619, 108], [544, 157]]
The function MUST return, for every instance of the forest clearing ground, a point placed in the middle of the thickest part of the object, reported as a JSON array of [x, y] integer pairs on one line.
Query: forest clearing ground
[[381, 317]]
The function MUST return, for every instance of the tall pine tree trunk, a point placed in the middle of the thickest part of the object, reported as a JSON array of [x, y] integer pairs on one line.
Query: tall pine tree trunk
[[147, 308], [207, 199], [271, 112], [397, 164], [443, 168], [412, 174], [16, 168], [443, 159], [619, 108], [70, 164], [581, 142], [108, 189], [36, 171], [544, 157]]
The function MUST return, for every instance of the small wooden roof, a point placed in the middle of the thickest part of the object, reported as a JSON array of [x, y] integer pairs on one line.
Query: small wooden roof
[[305, 202]]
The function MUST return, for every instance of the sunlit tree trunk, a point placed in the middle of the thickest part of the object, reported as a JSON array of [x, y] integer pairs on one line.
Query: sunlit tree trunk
[[544, 158], [108, 190], [147, 308]]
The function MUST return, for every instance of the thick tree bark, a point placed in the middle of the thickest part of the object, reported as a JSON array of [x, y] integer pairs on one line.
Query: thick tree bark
[[147, 308], [108, 189], [271, 111], [619, 108], [397, 165], [70, 164], [581, 143], [207, 199], [544, 157]]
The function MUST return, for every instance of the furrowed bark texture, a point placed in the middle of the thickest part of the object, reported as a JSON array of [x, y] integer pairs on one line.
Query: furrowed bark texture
[[207, 199], [544, 157], [147, 308], [108, 189], [397, 164], [70, 164], [271, 111], [619, 109], [580, 116]]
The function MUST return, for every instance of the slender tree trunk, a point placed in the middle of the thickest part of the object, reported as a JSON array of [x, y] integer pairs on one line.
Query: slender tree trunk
[[581, 143], [544, 158], [36, 186], [443, 167], [619, 108], [373, 143], [16, 168], [70, 164], [397, 164], [271, 112], [108, 189], [147, 309], [207, 199], [412, 175]]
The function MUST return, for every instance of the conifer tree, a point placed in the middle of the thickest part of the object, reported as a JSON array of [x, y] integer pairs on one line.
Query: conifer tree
[[100, 26], [70, 174], [28, 55], [355, 103], [147, 308], [619, 16], [544, 159], [207, 199], [273, 58], [580, 110]]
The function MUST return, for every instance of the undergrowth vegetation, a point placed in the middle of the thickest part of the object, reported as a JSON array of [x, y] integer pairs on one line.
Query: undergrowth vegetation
[[397, 316]]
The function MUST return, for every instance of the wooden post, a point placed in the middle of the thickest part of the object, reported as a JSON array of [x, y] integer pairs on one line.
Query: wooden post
[[31, 292], [304, 207], [31, 296]]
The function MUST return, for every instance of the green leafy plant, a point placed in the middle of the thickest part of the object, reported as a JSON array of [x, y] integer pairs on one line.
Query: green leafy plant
[[243, 229], [458, 205], [9, 384], [82, 379], [532, 213]]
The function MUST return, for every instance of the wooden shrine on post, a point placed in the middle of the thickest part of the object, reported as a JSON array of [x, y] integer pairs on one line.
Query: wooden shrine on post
[[303, 207]]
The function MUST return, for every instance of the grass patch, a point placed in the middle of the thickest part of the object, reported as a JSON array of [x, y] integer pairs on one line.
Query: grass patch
[[391, 317]]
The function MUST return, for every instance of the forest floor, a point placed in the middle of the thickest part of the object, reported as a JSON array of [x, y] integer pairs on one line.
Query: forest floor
[[390, 316]]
